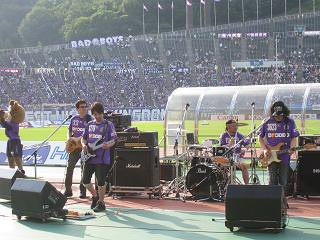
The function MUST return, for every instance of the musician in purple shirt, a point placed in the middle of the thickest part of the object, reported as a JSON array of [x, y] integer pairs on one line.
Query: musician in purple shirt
[[231, 137], [99, 134], [279, 128], [76, 130], [14, 146]]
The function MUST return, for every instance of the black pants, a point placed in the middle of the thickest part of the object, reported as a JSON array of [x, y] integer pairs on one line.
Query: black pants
[[100, 171], [72, 161]]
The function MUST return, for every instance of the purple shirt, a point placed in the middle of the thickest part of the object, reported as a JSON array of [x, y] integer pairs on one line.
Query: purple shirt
[[11, 129], [105, 131], [226, 137], [279, 132], [77, 126]]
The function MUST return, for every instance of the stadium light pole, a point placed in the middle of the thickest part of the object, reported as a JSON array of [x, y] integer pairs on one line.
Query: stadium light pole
[[242, 11], [299, 7], [215, 13], [228, 11], [285, 8], [200, 13], [257, 3], [271, 13]]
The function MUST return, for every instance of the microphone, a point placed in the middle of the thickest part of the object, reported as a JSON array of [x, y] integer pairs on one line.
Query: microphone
[[187, 106], [252, 104], [70, 116]]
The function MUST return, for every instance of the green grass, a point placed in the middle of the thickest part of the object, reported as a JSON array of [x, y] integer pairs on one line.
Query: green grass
[[207, 129]]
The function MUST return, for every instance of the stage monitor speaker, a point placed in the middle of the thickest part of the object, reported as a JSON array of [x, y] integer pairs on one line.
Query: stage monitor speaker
[[36, 198], [308, 173], [255, 206], [137, 167], [7, 178]]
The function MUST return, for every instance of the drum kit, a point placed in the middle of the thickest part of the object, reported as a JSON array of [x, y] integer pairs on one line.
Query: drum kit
[[206, 172]]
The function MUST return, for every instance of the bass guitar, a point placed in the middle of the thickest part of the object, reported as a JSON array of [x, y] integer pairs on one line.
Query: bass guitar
[[92, 147]]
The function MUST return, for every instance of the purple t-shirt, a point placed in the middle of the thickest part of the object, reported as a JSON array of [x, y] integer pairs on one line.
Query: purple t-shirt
[[77, 126], [11, 129], [226, 137], [279, 132], [105, 131]]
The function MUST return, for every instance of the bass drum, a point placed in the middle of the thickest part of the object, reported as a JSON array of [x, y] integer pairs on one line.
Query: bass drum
[[196, 174]]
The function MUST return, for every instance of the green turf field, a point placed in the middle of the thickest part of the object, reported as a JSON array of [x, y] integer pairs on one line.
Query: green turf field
[[207, 129]]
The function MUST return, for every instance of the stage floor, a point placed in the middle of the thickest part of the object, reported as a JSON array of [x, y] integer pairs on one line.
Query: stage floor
[[143, 218]]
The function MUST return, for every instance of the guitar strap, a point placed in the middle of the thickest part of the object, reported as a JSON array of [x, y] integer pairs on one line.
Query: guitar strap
[[106, 125]]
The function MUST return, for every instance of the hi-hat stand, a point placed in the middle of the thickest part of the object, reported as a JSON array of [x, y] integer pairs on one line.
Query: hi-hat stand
[[178, 185]]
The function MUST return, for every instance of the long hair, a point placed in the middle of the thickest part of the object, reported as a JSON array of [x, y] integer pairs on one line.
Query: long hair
[[285, 110]]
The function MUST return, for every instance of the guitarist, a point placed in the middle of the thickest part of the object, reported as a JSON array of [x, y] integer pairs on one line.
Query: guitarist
[[99, 164], [76, 130], [279, 128]]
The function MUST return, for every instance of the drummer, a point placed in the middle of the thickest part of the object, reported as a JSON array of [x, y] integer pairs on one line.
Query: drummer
[[228, 139]]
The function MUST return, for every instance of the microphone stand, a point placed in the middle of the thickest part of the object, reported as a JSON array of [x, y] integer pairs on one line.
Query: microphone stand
[[254, 179], [35, 153]]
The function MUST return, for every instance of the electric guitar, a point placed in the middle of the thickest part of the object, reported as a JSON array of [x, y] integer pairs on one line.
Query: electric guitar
[[73, 144], [92, 147], [276, 151]]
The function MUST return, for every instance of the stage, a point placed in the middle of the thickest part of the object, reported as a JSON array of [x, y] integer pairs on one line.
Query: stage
[[137, 217]]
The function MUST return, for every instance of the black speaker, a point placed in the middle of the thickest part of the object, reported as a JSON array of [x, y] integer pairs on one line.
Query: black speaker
[[255, 206], [7, 178], [137, 167], [36, 198], [308, 173]]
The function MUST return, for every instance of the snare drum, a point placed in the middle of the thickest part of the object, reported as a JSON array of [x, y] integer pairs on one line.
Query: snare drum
[[218, 151], [221, 160]]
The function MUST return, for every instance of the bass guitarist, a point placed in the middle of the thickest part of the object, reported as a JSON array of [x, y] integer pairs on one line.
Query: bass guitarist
[[278, 130], [73, 146], [100, 133]]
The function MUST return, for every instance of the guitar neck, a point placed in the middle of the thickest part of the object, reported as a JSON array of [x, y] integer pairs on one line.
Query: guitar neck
[[100, 145]]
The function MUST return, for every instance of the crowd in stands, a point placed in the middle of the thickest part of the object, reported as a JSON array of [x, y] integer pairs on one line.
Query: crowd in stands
[[144, 72]]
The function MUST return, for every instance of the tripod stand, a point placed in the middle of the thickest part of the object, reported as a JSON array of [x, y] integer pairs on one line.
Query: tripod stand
[[253, 179]]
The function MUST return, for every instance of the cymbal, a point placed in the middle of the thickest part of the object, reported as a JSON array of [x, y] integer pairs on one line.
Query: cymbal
[[197, 147], [242, 124]]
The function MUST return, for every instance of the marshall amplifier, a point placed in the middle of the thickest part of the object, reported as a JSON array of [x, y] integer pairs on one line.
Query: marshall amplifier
[[137, 139], [137, 167], [312, 139], [119, 121]]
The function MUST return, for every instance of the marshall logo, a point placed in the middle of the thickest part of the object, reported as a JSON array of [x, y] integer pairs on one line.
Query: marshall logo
[[202, 170], [129, 165], [316, 170]]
